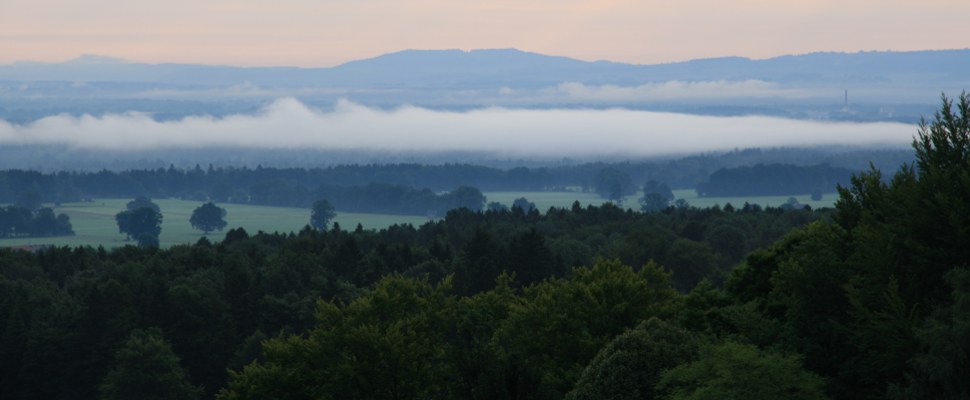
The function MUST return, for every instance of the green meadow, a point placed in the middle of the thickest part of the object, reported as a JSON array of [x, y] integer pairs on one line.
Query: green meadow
[[94, 222]]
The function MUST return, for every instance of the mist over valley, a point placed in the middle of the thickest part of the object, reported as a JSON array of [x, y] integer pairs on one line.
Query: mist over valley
[[485, 200]]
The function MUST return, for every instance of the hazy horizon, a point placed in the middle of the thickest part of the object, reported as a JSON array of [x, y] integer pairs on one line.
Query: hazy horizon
[[533, 102], [94, 58], [318, 34]]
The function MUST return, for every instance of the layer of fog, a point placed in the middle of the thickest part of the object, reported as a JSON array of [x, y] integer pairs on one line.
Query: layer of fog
[[289, 124], [680, 90], [566, 91]]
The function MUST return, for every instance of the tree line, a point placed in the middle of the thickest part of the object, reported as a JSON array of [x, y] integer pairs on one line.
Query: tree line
[[23, 222], [773, 180], [301, 186]]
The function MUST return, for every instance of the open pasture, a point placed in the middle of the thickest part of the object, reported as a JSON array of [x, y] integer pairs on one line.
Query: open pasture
[[94, 222]]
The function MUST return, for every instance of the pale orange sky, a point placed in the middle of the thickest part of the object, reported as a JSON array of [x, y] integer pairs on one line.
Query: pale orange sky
[[313, 33]]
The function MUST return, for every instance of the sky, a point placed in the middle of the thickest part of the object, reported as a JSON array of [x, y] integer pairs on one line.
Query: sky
[[320, 33]]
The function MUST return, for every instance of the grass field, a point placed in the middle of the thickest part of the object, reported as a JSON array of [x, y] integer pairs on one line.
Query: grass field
[[94, 222]]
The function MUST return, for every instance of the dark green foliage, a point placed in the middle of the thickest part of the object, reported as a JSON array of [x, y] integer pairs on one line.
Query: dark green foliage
[[392, 199], [739, 371], [695, 262], [299, 187], [143, 223], [653, 201], [478, 265], [381, 346], [147, 240], [208, 217], [143, 202], [940, 369], [465, 197], [30, 199], [611, 183], [530, 260], [652, 186], [409, 339], [728, 239], [940, 224], [321, 214], [656, 197], [146, 368], [495, 206], [629, 367], [872, 300], [524, 204], [560, 325], [21, 222], [772, 180], [64, 312]]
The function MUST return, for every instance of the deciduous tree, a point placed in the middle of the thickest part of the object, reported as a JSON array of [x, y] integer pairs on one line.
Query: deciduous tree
[[321, 214], [208, 217]]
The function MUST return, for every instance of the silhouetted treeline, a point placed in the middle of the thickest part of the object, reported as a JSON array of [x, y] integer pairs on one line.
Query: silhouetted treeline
[[296, 186], [22, 222], [773, 180]]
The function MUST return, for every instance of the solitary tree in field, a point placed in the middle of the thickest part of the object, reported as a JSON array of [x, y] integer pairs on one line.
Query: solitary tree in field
[[656, 196], [208, 217], [144, 224], [322, 213], [142, 202]]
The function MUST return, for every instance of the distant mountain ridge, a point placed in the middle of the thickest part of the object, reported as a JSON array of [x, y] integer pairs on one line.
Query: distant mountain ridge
[[880, 85], [516, 68]]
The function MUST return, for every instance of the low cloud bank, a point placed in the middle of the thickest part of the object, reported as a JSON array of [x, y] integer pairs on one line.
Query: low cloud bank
[[288, 124]]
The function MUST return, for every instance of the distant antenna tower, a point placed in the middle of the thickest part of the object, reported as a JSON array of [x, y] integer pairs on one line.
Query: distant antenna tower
[[846, 97]]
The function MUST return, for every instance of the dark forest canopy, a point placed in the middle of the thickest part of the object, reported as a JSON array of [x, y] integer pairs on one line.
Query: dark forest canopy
[[214, 303]]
